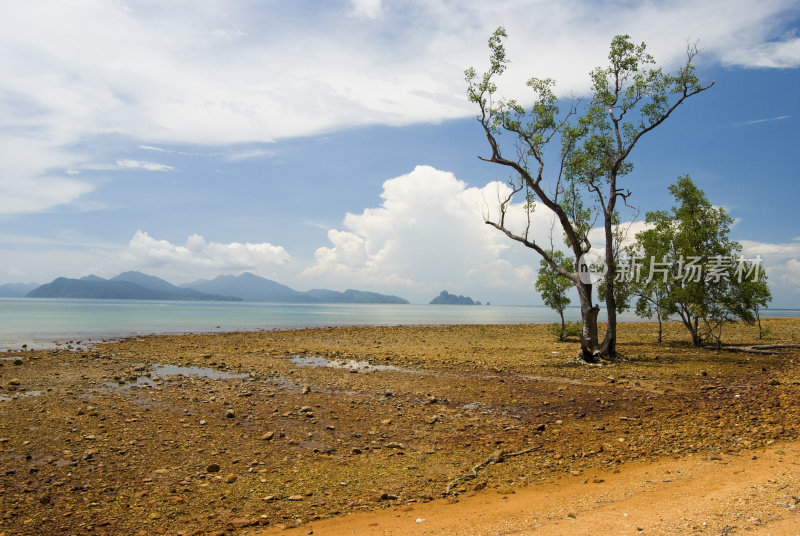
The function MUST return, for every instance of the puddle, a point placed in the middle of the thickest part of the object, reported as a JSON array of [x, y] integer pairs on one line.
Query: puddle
[[21, 394], [350, 364], [165, 371], [200, 372]]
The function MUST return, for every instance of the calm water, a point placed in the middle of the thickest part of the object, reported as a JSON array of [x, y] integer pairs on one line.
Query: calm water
[[43, 322]]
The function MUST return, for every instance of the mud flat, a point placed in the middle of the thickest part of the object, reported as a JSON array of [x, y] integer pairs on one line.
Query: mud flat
[[249, 433]]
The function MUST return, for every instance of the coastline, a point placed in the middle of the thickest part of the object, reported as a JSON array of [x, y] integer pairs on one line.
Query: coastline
[[49, 323], [266, 430]]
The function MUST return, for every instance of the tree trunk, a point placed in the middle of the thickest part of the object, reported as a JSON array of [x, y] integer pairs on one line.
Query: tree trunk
[[561, 336], [658, 314], [609, 347], [589, 347], [695, 329], [758, 317]]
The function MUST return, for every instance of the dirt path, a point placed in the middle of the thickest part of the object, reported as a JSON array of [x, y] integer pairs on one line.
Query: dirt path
[[752, 494]]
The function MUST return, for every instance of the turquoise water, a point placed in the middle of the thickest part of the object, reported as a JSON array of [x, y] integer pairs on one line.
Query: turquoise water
[[43, 322]]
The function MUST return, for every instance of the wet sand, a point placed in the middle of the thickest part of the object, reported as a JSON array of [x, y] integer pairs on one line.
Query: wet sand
[[267, 431]]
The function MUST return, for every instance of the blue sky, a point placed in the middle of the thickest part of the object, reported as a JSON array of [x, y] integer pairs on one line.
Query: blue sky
[[330, 144]]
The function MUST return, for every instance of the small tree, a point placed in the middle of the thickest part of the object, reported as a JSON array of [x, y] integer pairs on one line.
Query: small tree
[[553, 286], [651, 288], [694, 269]]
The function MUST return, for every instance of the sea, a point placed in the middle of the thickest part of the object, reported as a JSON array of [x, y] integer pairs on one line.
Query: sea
[[45, 323]]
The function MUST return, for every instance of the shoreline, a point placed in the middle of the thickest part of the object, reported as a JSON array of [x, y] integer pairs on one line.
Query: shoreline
[[268, 429], [85, 340], [44, 323]]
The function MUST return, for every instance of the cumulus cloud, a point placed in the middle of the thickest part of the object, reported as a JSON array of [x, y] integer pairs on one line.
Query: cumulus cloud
[[428, 234], [782, 263], [197, 254]]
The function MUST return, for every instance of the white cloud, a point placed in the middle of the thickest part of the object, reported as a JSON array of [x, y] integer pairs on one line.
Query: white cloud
[[767, 120], [782, 263], [367, 8], [428, 235], [780, 54], [28, 181], [140, 164], [198, 255], [248, 154], [223, 72]]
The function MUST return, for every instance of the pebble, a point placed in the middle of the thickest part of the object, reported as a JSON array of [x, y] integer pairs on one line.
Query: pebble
[[230, 414], [231, 478], [213, 468], [268, 436]]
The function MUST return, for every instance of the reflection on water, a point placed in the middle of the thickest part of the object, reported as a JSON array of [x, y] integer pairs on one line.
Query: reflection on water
[[164, 371]]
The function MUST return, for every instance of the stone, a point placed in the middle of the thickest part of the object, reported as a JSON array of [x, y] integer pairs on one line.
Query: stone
[[268, 436], [14, 382], [294, 498], [229, 413], [306, 389], [240, 523], [212, 468], [231, 478]]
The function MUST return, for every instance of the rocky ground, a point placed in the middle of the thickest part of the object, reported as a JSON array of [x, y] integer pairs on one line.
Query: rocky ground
[[245, 432]]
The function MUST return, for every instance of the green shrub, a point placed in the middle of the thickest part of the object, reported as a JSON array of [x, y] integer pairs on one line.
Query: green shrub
[[571, 330]]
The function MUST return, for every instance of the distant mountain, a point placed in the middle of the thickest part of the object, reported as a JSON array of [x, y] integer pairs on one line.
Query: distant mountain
[[16, 290], [445, 298], [168, 289], [125, 286], [352, 296], [251, 287], [248, 287]]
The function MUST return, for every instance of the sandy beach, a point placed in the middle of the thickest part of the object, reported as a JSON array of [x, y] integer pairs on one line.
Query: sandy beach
[[362, 430]]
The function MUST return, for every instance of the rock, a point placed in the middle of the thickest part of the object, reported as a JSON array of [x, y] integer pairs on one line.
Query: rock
[[540, 427], [161, 471], [268, 436], [14, 382], [231, 478], [294, 498], [229, 413], [240, 523], [386, 422], [212, 468], [306, 389]]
